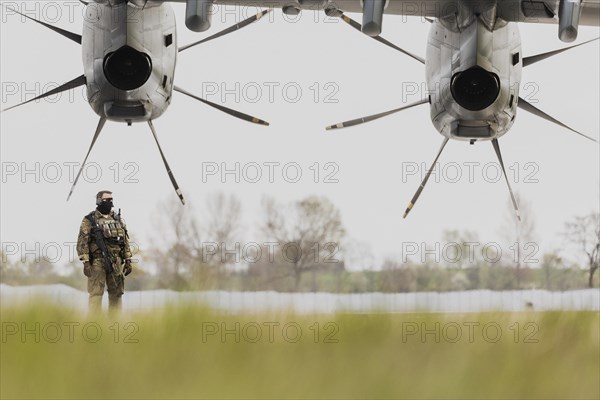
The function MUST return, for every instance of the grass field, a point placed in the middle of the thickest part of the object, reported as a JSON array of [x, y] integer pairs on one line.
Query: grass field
[[48, 352]]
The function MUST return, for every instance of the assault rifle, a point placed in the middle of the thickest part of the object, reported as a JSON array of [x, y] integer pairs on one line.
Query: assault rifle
[[96, 232]]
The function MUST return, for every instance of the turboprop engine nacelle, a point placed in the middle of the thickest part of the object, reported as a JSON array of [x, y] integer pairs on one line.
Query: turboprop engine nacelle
[[473, 74], [198, 15], [568, 19], [129, 56]]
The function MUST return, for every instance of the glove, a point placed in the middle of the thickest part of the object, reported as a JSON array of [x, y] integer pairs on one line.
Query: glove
[[127, 268], [87, 269]]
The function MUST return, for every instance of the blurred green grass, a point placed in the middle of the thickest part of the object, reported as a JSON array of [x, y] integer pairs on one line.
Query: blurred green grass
[[555, 355]]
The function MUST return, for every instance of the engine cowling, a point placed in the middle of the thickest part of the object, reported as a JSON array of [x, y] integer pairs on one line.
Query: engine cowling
[[473, 75], [129, 56]]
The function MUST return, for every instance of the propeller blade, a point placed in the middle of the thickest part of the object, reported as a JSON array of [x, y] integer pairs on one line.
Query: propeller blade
[[229, 30], [79, 81], [162, 155], [524, 105], [512, 196], [420, 189], [357, 26], [226, 110], [370, 118], [539, 57], [98, 130], [69, 35]]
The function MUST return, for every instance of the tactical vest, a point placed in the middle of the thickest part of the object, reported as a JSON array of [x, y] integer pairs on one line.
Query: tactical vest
[[113, 233]]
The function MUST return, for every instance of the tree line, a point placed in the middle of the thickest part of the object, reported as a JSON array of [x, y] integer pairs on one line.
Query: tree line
[[302, 246]]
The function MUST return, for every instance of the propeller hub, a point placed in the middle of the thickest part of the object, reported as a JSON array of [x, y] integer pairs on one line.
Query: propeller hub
[[127, 68], [475, 89]]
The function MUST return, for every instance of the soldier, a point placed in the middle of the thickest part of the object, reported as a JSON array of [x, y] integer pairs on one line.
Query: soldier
[[103, 246]]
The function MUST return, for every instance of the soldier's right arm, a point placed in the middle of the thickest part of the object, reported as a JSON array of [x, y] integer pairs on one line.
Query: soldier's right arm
[[83, 240]]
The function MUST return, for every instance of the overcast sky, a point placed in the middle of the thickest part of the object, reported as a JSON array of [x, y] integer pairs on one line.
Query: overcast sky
[[558, 171]]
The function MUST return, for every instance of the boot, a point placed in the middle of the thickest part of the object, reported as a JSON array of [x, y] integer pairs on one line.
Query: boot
[[114, 304], [95, 304]]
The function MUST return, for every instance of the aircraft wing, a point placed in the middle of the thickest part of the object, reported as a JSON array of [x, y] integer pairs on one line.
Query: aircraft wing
[[546, 11], [532, 11]]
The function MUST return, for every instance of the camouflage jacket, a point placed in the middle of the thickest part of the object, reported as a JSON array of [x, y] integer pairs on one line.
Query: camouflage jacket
[[86, 246]]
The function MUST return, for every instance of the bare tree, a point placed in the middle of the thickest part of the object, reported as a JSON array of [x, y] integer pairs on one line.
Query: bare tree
[[308, 232], [551, 263], [188, 252], [397, 277], [5, 265], [222, 224], [462, 248], [172, 237], [222, 220], [40, 268], [584, 232], [520, 235]]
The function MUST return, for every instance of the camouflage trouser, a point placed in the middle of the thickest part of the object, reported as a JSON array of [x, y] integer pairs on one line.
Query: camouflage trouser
[[114, 282]]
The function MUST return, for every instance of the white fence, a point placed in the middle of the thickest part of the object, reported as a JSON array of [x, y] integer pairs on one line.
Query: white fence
[[465, 301]]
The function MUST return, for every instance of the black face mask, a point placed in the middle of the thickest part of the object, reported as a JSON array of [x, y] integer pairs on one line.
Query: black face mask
[[105, 207]]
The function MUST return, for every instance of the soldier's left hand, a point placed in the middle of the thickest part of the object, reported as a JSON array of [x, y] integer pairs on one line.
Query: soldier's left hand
[[127, 268], [87, 269]]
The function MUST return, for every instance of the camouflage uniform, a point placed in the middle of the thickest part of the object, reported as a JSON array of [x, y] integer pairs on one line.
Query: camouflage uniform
[[117, 243]]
